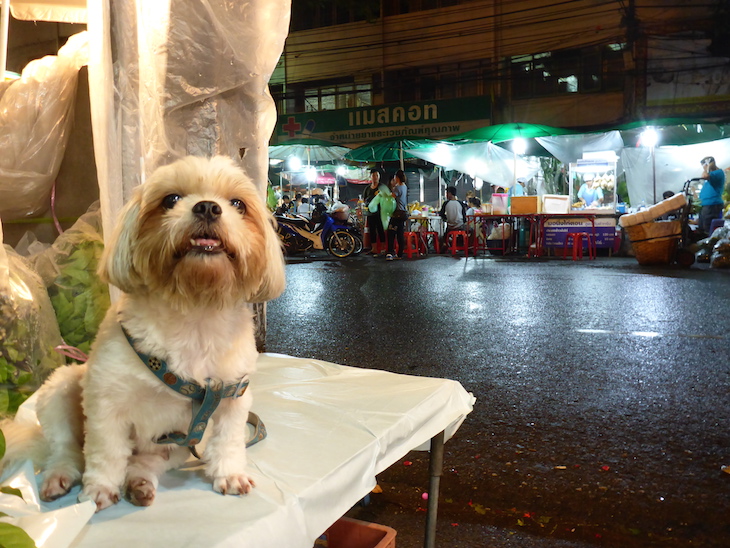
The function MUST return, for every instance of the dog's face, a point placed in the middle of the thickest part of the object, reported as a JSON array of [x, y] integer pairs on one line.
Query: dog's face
[[196, 233]]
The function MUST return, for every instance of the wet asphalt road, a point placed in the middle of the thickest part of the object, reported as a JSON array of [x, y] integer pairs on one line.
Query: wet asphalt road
[[602, 388]]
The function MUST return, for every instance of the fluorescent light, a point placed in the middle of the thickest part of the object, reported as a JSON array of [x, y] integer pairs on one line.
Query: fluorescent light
[[649, 137], [519, 146], [294, 163]]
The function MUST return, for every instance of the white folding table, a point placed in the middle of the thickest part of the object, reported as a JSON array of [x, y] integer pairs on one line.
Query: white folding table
[[331, 430]]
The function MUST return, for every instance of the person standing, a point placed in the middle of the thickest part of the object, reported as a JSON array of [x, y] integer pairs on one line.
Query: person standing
[[372, 218], [398, 220], [518, 189], [453, 212], [711, 194]]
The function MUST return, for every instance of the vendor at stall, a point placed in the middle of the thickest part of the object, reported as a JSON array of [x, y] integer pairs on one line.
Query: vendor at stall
[[589, 193], [711, 193], [518, 189]]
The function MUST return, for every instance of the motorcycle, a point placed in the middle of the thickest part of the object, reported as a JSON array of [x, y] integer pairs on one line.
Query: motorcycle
[[299, 234]]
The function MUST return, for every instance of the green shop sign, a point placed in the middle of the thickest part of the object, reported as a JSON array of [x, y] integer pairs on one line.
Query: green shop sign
[[424, 119]]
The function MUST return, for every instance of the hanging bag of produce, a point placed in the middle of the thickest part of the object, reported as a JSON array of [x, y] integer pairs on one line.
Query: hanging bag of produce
[[68, 269], [28, 331]]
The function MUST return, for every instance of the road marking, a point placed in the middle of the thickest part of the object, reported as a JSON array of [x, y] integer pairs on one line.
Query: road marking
[[647, 334]]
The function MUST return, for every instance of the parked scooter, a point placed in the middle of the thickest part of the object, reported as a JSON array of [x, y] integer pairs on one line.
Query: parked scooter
[[344, 218], [299, 234]]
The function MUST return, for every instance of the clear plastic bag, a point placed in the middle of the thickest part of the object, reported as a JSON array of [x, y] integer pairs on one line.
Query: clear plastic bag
[[28, 331], [35, 117], [68, 269], [721, 254]]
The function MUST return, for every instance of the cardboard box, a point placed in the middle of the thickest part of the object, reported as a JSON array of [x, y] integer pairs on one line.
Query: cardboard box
[[555, 203], [353, 533], [523, 205]]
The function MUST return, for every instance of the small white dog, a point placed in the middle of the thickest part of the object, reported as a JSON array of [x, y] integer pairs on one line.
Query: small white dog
[[193, 246]]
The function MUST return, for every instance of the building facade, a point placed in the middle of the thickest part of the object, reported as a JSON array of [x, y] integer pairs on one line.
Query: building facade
[[355, 71]]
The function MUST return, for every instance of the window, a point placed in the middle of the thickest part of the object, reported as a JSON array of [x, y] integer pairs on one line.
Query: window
[[448, 81], [312, 14], [521, 75], [315, 97], [363, 96], [327, 98], [544, 77], [469, 79], [584, 70], [590, 73], [429, 84], [613, 67], [311, 100]]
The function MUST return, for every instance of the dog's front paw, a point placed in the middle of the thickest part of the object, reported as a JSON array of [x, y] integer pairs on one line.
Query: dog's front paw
[[103, 496], [56, 484], [140, 491], [239, 484]]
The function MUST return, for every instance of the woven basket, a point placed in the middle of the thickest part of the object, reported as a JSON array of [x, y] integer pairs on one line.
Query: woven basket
[[655, 251], [651, 230]]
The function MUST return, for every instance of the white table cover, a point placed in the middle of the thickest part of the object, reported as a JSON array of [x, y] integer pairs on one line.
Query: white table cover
[[331, 429]]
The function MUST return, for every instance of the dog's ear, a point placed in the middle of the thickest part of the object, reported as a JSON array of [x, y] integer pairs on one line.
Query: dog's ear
[[269, 268], [117, 265]]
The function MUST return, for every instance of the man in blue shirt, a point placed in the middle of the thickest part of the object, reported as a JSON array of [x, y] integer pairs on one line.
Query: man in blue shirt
[[711, 193]]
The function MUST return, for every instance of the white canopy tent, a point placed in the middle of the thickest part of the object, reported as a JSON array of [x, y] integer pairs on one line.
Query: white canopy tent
[[492, 163], [670, 167], [648, 171]]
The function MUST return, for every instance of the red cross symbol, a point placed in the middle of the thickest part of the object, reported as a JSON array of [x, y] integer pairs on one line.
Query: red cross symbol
[[292, 126]]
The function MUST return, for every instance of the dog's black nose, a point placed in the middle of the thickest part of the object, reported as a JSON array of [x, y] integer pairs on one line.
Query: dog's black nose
[[209, 211]]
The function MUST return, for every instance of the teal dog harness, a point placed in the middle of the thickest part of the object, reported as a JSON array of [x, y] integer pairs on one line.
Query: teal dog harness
[[205, 400]]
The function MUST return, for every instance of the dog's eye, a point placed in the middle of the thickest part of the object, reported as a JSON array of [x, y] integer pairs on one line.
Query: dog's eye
[[169, 201], [239, 205]]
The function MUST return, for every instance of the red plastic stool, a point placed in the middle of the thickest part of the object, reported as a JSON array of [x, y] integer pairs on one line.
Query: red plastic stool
[[434, 238], [576, 239], [412, 243], [452, 239]]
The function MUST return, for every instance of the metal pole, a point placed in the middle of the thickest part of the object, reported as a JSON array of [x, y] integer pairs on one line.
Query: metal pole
[[653, 171], [4, 23], [435, 468]]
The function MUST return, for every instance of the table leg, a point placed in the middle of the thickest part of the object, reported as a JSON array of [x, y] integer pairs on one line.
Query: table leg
[[435, 468]]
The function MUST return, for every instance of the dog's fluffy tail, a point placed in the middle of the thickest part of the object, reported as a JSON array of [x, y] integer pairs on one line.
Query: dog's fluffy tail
[[23, 440]]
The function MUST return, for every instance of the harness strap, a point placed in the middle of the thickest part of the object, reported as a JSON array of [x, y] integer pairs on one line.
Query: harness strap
[[204, 399]]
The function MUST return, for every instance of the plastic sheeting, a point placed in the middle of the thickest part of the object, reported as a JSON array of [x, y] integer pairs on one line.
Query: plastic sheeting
[[331, 430], [648, 176], [570, 148], [186, 77], [54, 529], [491, 163], [35, 116]]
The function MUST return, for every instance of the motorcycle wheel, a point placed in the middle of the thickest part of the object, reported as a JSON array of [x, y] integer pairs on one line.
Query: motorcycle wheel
[[341, 244], [685, 258], [289, 242], [358, 244]]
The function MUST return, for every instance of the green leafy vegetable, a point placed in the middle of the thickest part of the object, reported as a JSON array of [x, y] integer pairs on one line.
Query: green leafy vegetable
[[12, 536]]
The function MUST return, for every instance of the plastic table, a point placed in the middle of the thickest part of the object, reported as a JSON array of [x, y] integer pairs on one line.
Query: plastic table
[[331, 430]]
